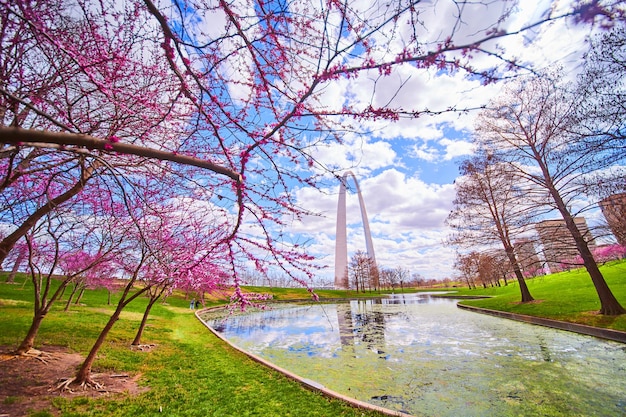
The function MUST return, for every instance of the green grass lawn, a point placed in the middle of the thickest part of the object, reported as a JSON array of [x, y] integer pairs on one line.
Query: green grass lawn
[[286, 294], [193, 373], [568, 296], [189, 373]]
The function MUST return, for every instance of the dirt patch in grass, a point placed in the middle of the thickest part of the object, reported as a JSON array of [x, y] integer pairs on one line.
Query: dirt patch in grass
[[28, 383]]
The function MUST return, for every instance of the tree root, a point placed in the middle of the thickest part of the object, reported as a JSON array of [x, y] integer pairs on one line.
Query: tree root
[[31, 353], [88, 383], [38, 354], [143, 347]]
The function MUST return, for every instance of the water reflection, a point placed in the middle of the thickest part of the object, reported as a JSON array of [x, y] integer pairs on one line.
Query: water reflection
[[359, 321], [424, 356]]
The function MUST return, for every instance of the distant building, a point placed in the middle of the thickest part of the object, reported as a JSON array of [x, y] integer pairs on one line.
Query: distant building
[[558, 244], [614, 210], [527, 258]]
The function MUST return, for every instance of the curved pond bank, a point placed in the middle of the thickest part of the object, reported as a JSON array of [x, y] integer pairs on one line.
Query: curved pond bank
[[426, 357], [306, 383], [608, 334]]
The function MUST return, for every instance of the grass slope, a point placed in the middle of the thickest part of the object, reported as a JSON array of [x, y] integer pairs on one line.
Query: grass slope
[[568, 296], [193, 373], [190, 373]]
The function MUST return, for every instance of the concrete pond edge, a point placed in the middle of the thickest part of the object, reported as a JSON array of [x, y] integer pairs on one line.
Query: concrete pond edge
[[600, 332], [608, 334]]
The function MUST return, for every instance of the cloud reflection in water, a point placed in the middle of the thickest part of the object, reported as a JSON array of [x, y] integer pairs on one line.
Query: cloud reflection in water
[[423, 355]]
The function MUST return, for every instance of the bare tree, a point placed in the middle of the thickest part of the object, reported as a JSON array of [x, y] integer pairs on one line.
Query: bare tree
[[48, 243], [602, 112], [602, 108], [479, 268], [363, 272], [403, 274], [467, 265], [418, 278], [389, 278], [489, 207], [533, 129], [488, 271], [503, 265]]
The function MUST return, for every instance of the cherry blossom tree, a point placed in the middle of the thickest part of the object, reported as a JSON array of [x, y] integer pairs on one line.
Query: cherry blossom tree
[[166, 241], [69, 264], [66, 71], [176, 260], [49, 244], [33, 196], [610, 253], [88, 269], [222, 103], [128, 294]]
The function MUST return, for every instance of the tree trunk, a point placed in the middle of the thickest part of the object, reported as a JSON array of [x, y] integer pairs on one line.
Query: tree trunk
[[69, 299], [16, 266], [41, 308], [80, 294], [29, 340], [608, 303], [510, 253], [144, 320], [62, 293], [84, 373]]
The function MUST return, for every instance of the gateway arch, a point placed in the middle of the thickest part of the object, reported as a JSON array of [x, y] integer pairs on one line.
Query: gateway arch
[[341, 239]]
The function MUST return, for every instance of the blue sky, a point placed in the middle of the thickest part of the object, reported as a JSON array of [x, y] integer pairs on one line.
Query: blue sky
[[406, 169]]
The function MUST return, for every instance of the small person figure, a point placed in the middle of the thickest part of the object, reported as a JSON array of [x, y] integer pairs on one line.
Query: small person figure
[[197, 303], [192, 304]]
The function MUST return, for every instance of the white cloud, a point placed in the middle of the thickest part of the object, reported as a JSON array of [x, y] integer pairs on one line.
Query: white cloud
[[396, 163], [447, 149], [456, 148], [406, 218], [424, 152], [359, 151]]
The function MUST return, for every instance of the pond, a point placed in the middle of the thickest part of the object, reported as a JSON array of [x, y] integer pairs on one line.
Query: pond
[[424, 356]]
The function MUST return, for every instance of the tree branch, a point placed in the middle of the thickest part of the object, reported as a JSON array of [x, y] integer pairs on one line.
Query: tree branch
[[24, 137]]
